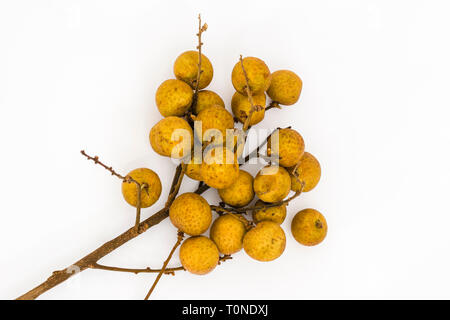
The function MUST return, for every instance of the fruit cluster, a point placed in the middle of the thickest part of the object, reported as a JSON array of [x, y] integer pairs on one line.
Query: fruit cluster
[[183, 101]]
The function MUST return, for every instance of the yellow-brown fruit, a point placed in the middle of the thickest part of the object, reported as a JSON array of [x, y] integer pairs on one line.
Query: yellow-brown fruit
[[241, 107], [309, 227], [240, 193], [199, 255], [265, 242], [173, 98], [308, 171], [207, 99], [227, 232], [172, 137], [194, 168], [285, 87], [272, 184], [257, 72], [276, 214], [220, 168], [215, 117], [149, 195], [190, 213], [185, 68], [288, 144]]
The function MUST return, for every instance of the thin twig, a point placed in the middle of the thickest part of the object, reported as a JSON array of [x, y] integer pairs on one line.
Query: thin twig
[[110, 169], [268, 205], [273, 104], [180, 237], [139, 204], [181, 169], [136, 271], [170, 271], [221, 210]]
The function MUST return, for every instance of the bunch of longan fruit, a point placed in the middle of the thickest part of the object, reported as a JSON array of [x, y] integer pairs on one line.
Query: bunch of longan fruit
[[183, 101]]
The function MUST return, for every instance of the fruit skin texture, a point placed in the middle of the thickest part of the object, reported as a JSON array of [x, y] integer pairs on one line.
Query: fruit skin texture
[[309, 227], [207, 98], [289, 146], [285, 87], [240, 193], [161, 137], [275, 214], [173, 98], [185, 68], [199, 255], [130, 189], [220, 169], [194, 169], [272, 184], [227, 232], [190, 213], [215, 117], [258, 76], [308, 171], [241, 107], [265, 242]]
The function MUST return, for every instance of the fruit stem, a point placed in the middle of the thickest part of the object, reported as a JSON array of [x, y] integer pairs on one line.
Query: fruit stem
[[163, 269]]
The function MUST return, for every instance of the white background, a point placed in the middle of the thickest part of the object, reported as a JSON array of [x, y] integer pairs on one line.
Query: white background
[[374, 110]]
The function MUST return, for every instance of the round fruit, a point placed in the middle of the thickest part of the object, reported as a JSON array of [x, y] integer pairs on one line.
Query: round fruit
[[257, 72], [272, 184], [240, 193], [309, 227], [285, 87], [194, 168], [288, 144], [265, 242], [276, 214], [173, 98], [149, 195], [227, 232], [185, 68], [220, 168], [199, 255], [190, 213], [172, 137], [241, 107], [207, 99], [308, 171], [215, 117]]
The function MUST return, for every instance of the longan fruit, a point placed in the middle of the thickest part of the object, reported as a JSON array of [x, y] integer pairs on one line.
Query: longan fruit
[[205, 99], [240, 193], [173, 98], [194, 169], [185, 68], [227, 232], [308, 172], [272, 184], [276, 214], [257, 72], [265, 242], [285, 87], [199, 255], [241, 107], [215, 117], [220, 168], [288, 144], [190, 213], [149, 195], [309, 227], [170, 133]]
